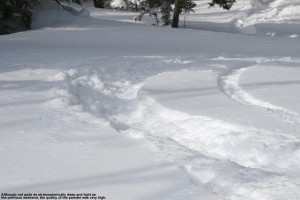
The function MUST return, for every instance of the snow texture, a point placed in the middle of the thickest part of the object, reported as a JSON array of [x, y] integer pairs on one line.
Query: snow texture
[[93, 104]]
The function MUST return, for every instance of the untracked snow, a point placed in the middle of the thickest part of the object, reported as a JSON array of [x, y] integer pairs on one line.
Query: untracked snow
[[132, 111]]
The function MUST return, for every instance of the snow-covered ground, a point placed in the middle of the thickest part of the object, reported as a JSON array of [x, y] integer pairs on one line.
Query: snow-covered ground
[[132, 111]]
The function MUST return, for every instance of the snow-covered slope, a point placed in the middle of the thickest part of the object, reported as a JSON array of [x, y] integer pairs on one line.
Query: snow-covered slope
[[131, 111]]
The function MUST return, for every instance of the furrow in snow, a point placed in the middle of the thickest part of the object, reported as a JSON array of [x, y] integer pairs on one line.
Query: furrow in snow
[[229, 85], [221, 158]]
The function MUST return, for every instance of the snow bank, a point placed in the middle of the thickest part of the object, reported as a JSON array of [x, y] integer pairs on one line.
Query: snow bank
[[271, 17], [254, 17]]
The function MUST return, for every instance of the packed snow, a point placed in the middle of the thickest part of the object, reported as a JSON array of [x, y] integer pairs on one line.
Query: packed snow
[[92, 101]]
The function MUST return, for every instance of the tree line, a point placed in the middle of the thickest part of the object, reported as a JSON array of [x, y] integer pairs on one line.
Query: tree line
[[15, 15]]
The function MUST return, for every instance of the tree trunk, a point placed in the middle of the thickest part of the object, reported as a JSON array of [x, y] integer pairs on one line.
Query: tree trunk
[[176, 14]]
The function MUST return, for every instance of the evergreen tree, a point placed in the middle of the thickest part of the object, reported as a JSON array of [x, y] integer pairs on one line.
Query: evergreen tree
[[99, 3], [163, 7], [188, 5], [165, 10], [153, 3], [15, 15], [179, 7], [225, 4]]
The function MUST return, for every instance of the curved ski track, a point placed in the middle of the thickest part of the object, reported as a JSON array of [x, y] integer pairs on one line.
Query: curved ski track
[[215, 159], [229, 85]]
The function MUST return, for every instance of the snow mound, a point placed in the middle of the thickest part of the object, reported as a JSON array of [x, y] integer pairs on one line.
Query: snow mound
[[270, 17]]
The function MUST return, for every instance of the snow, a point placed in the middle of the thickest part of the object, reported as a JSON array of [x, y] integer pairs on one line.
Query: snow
[[132, 111], [120, 4]]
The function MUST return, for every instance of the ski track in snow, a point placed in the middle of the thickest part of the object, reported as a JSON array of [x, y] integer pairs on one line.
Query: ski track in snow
[[229, 85], [229, 160]]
